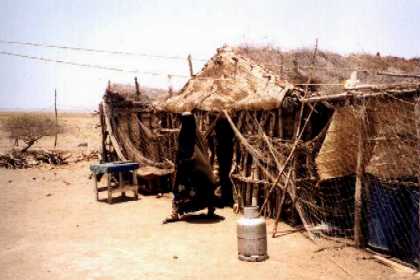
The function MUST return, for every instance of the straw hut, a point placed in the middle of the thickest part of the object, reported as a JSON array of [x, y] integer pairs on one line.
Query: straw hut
[[331, 157]]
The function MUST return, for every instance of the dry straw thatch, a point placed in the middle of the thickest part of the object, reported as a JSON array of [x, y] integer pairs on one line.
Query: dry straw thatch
[[395, 152], [330, 67], [391, 150], [229, 81]]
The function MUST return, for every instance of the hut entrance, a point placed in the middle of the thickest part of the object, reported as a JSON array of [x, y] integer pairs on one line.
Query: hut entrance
[[224, 152]]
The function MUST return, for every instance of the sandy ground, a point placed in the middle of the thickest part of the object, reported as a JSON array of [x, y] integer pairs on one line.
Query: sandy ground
[[78, 128], [51, 227]]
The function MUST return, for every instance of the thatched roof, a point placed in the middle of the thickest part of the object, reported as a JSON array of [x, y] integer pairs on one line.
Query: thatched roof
[[331, 68], [128, 91], [229, 81]]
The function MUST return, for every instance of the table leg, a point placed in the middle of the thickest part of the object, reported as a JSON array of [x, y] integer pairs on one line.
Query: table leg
[[121, 182], [136, 189], [108, 179], [95, 182]]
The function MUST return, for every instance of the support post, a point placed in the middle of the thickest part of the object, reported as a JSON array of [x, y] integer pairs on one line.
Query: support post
[[190, 65], [417, 121], [360, 172]]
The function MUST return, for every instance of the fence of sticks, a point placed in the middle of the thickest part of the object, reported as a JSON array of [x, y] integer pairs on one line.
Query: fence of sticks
[[345, 165]]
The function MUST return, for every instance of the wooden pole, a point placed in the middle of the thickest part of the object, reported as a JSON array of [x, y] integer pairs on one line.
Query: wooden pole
[[360, 170], [417, 121], [136, 83], [170, 88], [56, 118], [190, 65]]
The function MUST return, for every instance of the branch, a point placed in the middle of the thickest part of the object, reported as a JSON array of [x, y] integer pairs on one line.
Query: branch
[[415, 76], [30, 143]]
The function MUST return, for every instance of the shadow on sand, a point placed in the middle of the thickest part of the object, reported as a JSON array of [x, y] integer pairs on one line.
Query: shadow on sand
[[202, 219], [119, 199]]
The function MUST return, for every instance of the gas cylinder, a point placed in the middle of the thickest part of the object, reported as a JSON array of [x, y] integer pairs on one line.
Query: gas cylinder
[[252, 236]]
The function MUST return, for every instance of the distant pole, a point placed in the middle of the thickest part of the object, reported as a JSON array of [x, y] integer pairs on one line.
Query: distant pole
[[190, 65], [170, 88], [56, 118], [136, 83]]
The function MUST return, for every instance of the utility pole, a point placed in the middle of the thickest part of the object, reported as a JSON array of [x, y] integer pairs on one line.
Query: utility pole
[[56, 118]]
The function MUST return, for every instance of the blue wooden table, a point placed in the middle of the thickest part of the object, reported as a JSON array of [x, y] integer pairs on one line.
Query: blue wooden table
[[112, 168]]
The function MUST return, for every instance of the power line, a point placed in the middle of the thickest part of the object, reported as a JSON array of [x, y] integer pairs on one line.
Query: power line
[[94, 66], [132, 71], [126, 53], [108, 68], [43, 45]]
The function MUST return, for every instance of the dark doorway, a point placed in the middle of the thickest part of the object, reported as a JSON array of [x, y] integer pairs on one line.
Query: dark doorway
[[224, 152]]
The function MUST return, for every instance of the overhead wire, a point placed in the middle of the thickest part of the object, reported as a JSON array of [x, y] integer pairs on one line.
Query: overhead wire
[[132, 71], [92, 50], [87, 65], [127, 53]]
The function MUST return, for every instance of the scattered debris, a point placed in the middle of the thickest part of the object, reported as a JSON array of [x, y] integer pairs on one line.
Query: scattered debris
[[20, 160], [84, 156]]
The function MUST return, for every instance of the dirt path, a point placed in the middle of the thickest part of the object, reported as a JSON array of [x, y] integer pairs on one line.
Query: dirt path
[[51, 227]]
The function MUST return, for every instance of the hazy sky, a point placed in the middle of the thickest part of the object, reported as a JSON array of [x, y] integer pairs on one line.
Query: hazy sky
[[176, 28]]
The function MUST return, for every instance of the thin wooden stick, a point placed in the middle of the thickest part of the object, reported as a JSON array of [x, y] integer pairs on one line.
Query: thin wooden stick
[[359, 95], [270, 146], [290, 157], [280, 206], [211, 127], [255, 154]]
